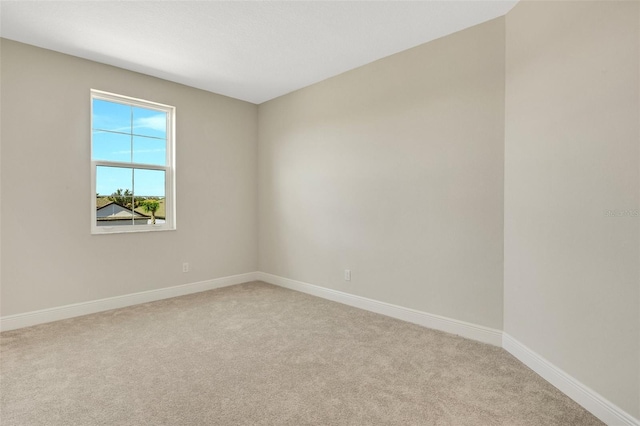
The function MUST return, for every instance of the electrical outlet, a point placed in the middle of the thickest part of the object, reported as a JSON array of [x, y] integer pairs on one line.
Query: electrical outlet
[[347, 274], [185, 267]]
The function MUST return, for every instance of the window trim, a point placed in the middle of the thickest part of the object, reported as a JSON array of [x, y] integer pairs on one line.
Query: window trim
[[169, 168]]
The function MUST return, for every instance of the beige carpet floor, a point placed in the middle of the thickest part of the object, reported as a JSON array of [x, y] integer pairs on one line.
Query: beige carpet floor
[[256, 354]]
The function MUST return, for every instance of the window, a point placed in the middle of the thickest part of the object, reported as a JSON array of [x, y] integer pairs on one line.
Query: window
[[132, 164]]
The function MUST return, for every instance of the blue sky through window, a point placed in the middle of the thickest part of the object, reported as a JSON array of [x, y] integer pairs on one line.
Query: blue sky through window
[[129, 134], [144, 183]]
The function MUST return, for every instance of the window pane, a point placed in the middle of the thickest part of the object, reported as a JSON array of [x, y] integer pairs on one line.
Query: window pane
[[149, 150], [149, 122], [111, 116], [149, 183], [110, 179], [114, 203], [149, 186], [111, 146]]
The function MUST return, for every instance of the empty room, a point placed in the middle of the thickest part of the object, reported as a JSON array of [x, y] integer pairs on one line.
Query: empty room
[[320, 213]]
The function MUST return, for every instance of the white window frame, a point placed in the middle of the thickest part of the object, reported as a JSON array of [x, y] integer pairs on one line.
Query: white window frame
[[169, 168]]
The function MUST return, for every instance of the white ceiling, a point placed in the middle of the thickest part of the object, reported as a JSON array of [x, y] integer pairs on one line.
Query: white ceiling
[[254, 51]]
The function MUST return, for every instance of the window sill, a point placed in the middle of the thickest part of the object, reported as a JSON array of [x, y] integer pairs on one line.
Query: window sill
[[109, 230]]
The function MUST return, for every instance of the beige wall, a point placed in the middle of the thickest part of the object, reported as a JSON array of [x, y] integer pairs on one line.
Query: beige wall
[[571, 153], [49, 257], [395, 171]]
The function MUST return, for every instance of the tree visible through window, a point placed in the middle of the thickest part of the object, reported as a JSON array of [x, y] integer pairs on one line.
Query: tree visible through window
[[132, 164]]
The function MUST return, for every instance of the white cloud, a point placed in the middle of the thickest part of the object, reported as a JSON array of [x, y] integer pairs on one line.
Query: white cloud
[[105, 123], [155, 122]]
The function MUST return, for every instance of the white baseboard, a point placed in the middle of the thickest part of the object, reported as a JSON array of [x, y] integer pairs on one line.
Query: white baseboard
[[437, 322], [592, 401], [12, 322]]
